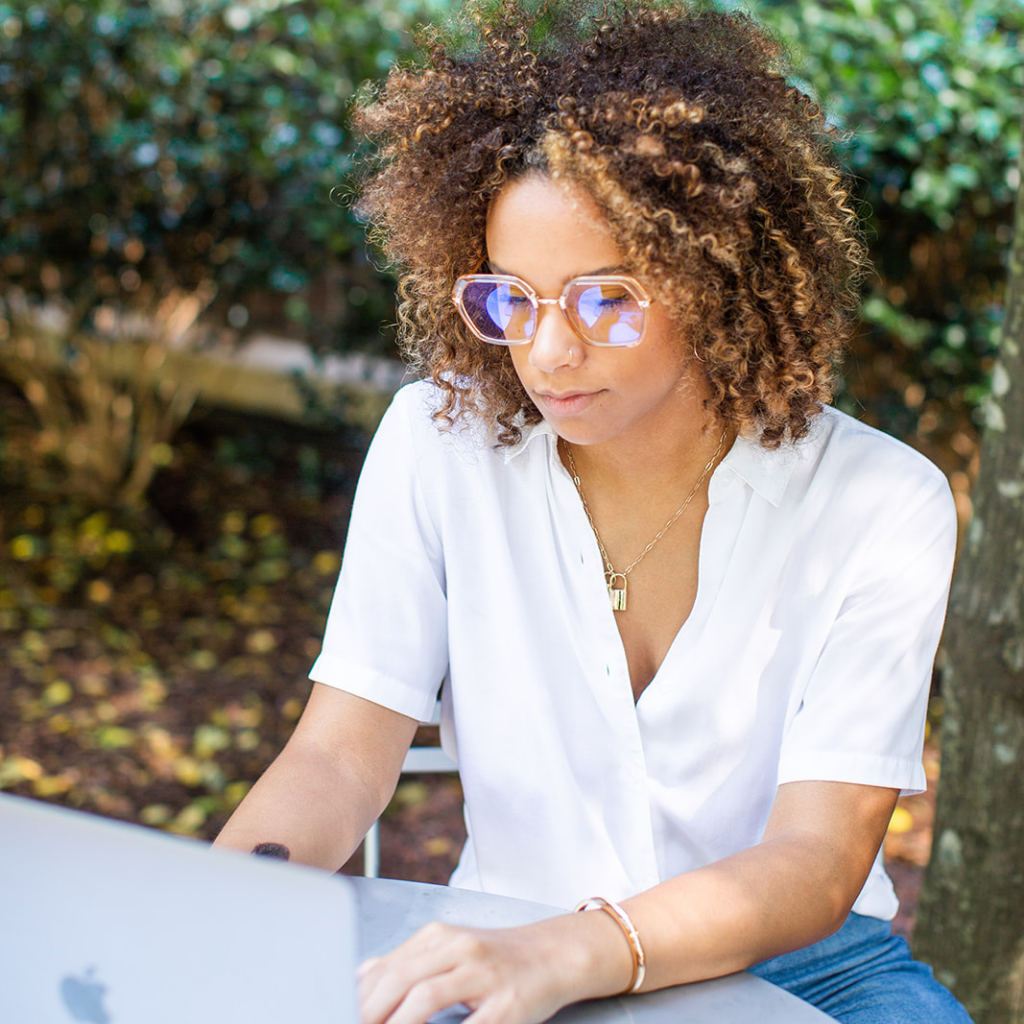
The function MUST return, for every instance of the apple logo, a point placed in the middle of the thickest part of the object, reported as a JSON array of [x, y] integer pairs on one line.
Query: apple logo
[[84, 998]]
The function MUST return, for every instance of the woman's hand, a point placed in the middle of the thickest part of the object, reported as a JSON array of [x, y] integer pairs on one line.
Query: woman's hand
[[505, 976]]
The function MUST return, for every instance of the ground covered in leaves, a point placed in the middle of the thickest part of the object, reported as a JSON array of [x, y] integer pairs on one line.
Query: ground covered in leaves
[[154, 662]]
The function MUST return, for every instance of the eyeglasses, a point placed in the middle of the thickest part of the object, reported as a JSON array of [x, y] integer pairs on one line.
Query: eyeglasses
[[608, 310]]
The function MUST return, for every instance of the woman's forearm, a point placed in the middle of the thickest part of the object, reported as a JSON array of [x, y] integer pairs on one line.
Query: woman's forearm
[[794, 888], [329, 784], [774, 898], [308, 803]]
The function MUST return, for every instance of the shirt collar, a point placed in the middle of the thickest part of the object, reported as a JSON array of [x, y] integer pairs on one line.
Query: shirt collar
[[767, 472], [529, 433]]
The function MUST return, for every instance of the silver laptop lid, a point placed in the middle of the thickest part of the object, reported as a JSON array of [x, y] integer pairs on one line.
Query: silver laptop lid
[[109, 923]]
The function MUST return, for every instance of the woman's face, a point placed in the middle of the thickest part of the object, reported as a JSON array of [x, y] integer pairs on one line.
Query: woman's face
[[547, 234]]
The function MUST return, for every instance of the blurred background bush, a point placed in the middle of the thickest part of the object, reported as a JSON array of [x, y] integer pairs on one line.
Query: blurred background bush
[[159, 146], [166, 163], [931, 92]]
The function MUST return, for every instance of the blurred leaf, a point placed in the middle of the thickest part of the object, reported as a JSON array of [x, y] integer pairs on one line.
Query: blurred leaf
[[902, 821], [261, 641], [114, 737], [52, 785], [189, 820], [188, 771], [209, 740], [155, 814], [326, 563], [57, 693], [15, 769], [203, 660], [410, 793]]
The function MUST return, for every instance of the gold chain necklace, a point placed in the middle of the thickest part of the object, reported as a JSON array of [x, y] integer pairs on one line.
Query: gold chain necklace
[[617, 594]]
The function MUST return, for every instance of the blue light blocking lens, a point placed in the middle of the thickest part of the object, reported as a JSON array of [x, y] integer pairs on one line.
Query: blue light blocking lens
[[499, 306], [620, 313], [508, 306], [623, 334]]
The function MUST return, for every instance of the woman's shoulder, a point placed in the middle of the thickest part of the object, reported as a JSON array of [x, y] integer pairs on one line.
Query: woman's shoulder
[[419, 408], [416, 419], [854, 446], [416, 402], [839, 457], [883, 477]]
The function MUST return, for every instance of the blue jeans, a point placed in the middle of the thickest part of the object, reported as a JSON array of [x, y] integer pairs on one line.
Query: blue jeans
[[864, 975]]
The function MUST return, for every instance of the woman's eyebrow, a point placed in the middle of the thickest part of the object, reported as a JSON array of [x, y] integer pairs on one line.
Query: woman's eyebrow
[[600, 272]]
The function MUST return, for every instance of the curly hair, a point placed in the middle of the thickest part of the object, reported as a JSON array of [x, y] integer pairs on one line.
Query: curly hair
[[717, 177]]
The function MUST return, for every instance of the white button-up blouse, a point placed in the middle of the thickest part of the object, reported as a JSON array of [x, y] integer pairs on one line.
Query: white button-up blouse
[[823, 576]]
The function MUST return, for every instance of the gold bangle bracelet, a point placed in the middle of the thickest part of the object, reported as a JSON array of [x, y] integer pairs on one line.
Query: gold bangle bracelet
[[621, 918]]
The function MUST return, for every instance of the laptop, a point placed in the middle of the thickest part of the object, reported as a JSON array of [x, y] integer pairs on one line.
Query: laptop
[[107, 923]]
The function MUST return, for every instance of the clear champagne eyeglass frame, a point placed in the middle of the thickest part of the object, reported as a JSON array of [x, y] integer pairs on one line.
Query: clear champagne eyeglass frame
[[627, 324]]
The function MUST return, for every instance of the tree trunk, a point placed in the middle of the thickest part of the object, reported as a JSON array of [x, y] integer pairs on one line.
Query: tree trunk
[[970, 926]]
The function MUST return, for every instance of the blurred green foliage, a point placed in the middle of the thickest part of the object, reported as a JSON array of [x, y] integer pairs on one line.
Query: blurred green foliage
[[930, 93], [154, 145]]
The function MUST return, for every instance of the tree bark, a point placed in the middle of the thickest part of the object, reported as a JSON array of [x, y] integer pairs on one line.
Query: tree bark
[[970, 925]]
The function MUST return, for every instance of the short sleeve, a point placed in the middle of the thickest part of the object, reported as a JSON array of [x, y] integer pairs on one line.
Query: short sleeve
[[861, 716], [386, 635]]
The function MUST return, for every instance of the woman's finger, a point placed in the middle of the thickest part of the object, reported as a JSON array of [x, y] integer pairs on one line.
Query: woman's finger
[[385, 983], [366, 966], [427, 997], [505, 976]]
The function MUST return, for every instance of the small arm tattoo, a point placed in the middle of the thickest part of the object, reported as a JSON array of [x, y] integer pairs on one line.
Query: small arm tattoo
[[276, 850]]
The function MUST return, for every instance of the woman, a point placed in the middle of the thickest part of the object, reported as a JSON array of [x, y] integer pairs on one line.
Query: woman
[[684, 612]]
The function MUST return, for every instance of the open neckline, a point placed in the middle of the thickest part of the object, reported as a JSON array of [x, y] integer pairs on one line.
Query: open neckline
[[699, 598]]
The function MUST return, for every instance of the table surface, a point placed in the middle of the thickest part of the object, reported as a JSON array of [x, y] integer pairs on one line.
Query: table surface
[[390, 911]]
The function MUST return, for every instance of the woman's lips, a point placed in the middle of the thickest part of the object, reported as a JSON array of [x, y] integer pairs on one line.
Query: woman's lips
[[565, 405]]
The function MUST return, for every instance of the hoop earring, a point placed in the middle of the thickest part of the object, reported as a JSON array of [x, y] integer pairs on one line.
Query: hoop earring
[[696, 354], [571, 354]]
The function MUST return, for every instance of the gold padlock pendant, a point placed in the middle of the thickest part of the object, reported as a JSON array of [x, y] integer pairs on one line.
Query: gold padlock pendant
[[617, 594]]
